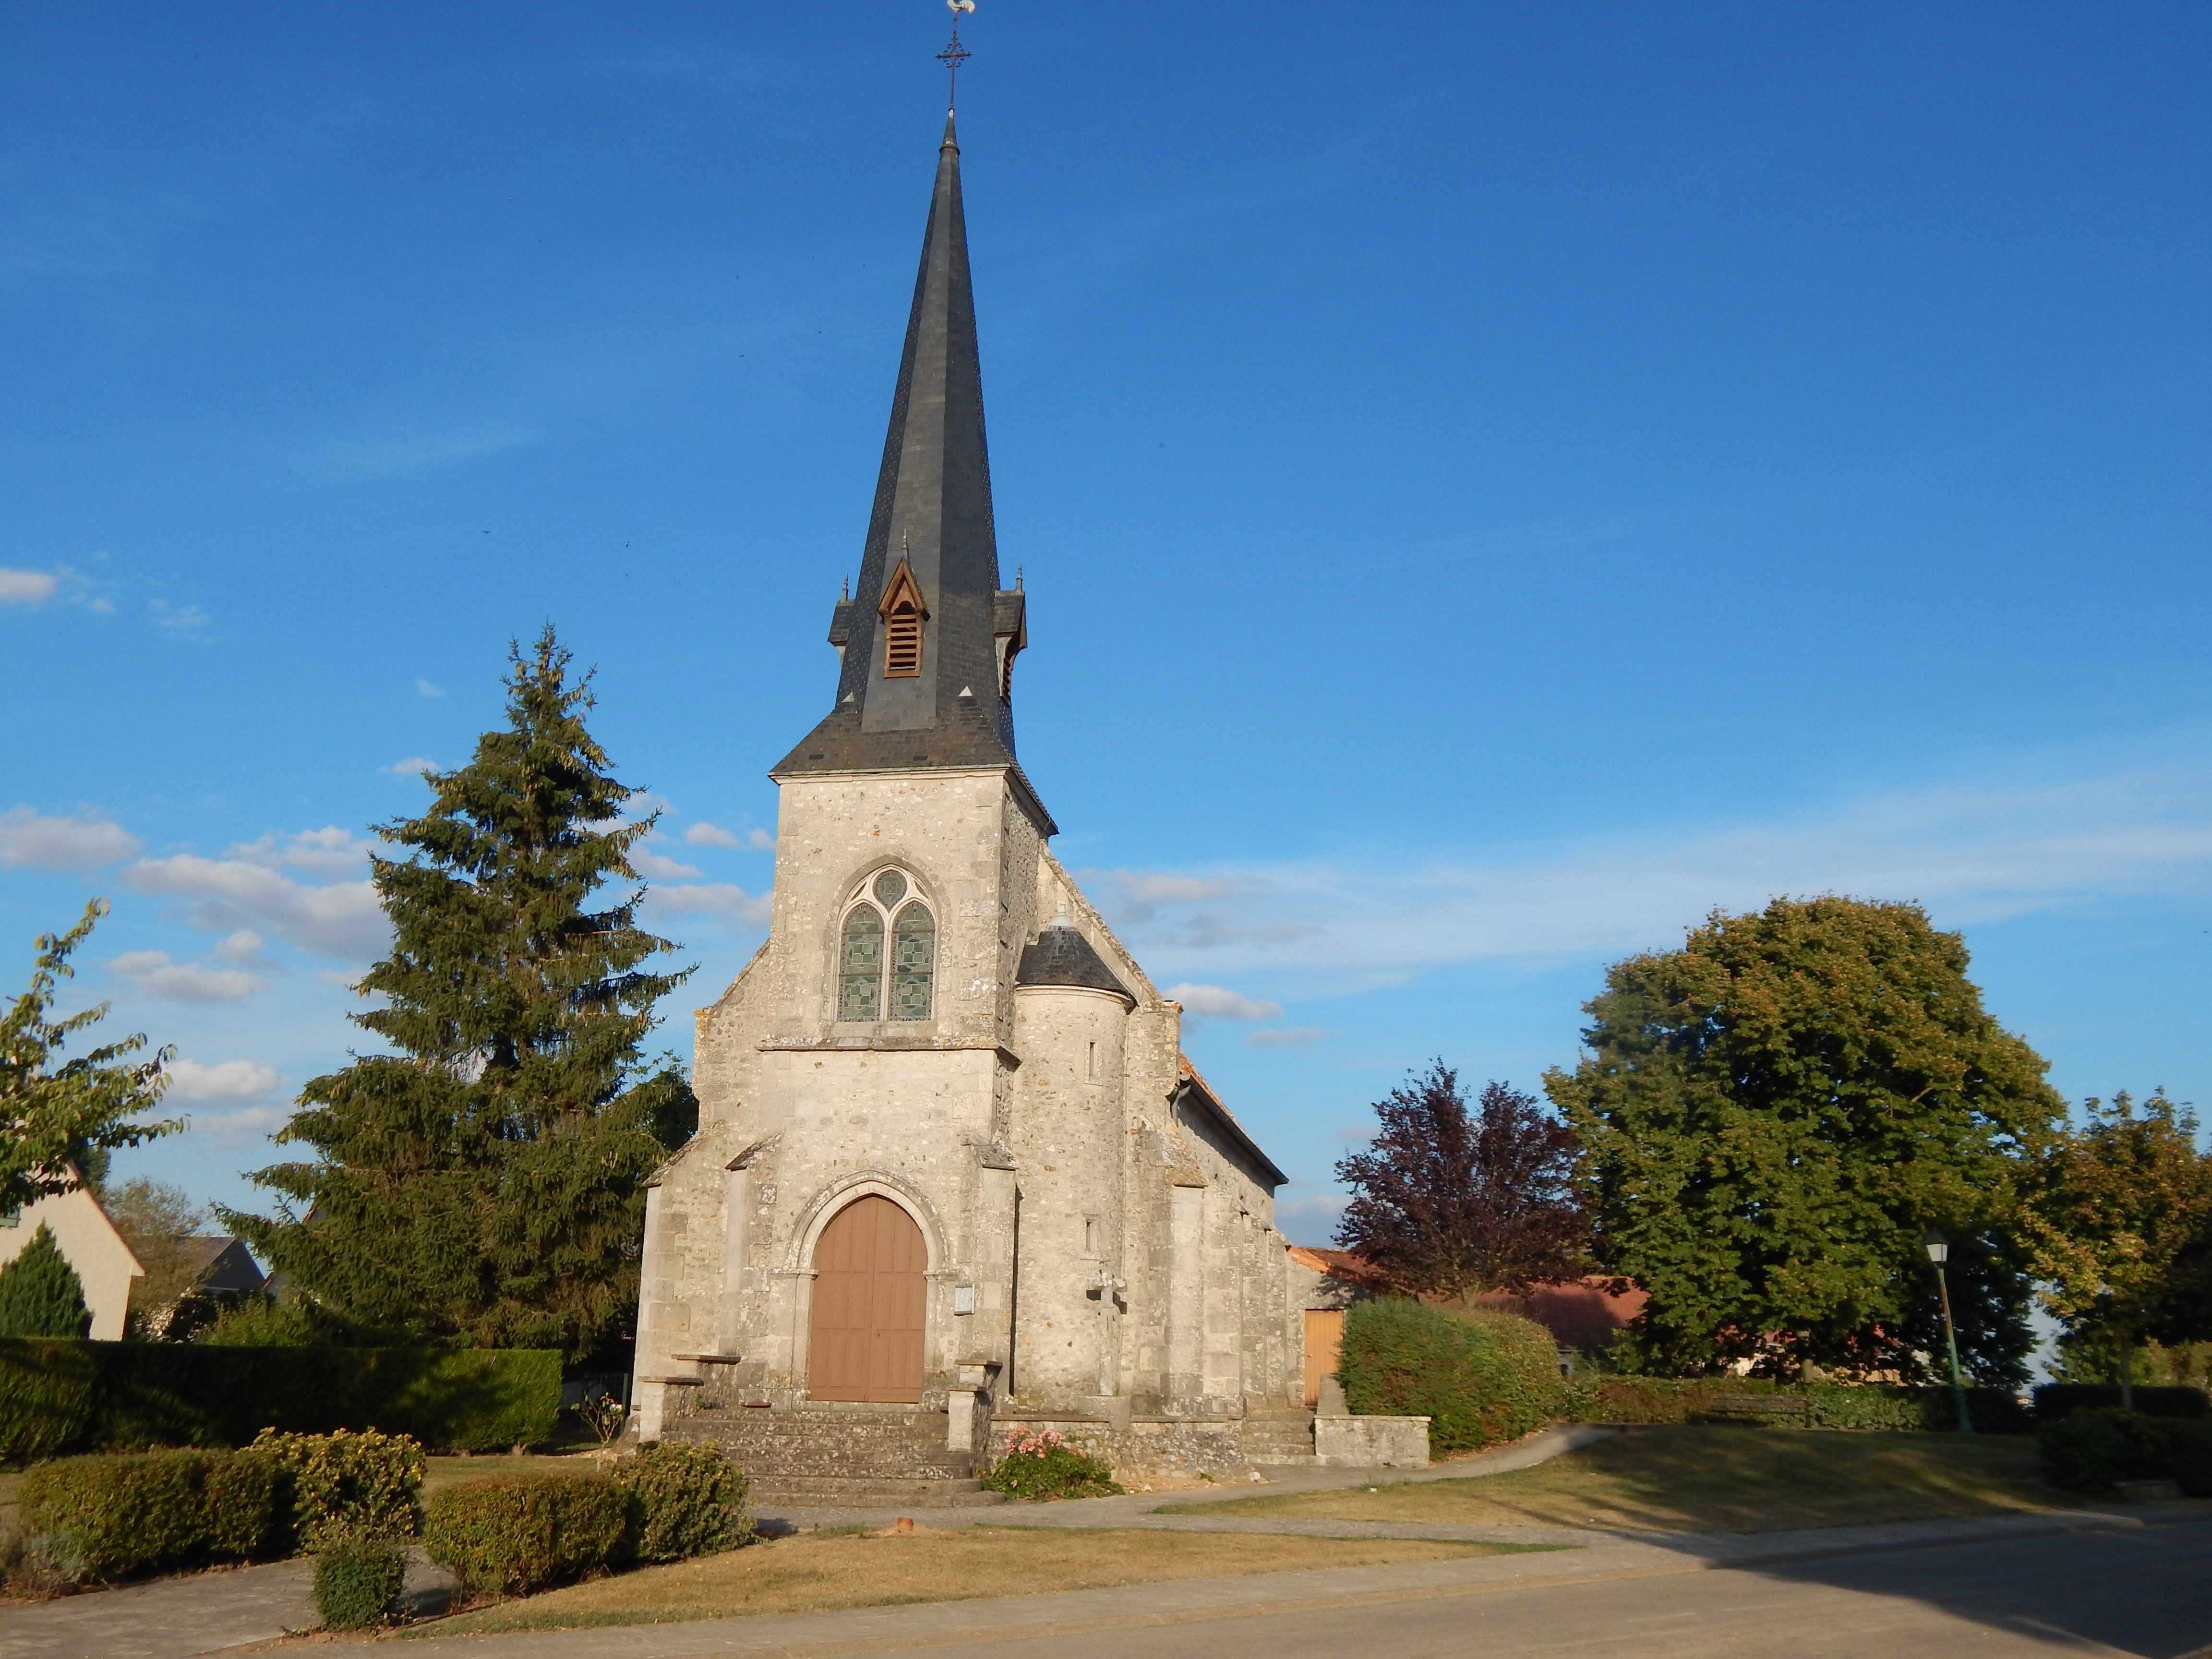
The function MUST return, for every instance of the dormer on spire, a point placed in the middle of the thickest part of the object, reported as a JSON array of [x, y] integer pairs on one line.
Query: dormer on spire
[[903, 614], [941, 622]]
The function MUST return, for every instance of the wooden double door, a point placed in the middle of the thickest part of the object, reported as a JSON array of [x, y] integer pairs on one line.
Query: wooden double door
[[871, 1294]]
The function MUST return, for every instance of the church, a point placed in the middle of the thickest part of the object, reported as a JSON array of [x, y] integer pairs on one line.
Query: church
[[954, 1177]]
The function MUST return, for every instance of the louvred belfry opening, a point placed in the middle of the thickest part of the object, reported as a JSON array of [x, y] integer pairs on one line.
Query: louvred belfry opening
[[903, 614]]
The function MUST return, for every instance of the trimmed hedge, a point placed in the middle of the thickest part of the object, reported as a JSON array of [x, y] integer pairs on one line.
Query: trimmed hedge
[[115, 1517], [509, 1537], [60, 1397], [348, 1486], [685, 1499], [1481, 1377], [358, 1582], [2094, 1450], [1827, 1405], [2055, 1401]]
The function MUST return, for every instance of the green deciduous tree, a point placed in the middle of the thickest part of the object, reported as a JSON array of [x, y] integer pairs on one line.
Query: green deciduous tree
[[59, 1119], [1773, 1114], [2116, 1223], [1451, 1203], [41, 1294], [485, 1184], [158, 1222]]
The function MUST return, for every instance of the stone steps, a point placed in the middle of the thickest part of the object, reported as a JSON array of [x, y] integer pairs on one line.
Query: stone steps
[[885, 1444], [1277, 1437]]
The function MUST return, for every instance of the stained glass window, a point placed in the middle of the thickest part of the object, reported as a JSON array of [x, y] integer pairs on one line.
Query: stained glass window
[[860, 965], [913, 952], [891, 888]]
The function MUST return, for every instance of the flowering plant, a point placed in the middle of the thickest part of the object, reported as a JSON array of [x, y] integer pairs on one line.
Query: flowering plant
[[1040, 1466]]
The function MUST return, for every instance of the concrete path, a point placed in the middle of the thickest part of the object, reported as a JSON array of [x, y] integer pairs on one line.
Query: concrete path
[[177, 1617], [2105, 1584], [1136, 1509]]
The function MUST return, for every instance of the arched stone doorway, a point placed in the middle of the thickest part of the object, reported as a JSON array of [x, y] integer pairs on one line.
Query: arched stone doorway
[[870, 1295]]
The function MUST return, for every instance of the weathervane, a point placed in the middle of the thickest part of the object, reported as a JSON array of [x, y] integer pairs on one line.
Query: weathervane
[[955, 55]]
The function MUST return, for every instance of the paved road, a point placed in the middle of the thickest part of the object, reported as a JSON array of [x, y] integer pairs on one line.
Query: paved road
[[2146, 1594]]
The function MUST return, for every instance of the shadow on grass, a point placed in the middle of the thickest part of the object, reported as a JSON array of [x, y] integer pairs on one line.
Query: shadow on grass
[[1705, 1480]]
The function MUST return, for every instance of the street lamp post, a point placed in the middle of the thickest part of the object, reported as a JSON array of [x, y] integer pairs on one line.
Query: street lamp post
[[1939, 1251]]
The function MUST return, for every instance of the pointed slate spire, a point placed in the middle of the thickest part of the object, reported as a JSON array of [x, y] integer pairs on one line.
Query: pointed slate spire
[[931, 562]]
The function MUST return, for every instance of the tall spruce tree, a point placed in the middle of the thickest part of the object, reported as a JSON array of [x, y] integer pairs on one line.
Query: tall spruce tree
[[485, 1185], [1770, 1117], [41, 1294]]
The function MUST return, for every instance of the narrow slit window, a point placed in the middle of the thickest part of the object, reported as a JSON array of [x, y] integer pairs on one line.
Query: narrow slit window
[[860, 965], [914, 961]]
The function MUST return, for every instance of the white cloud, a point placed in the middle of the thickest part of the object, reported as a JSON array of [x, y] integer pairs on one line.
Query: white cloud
[[718, 898], [252, 889], [1135, 895], [224, 1083], [1311, 1217], [181, 619], [413, 767], [650, 863], [156, 973], [2052, 836], [424, 688], [1290, 1036], [1221, 1002], [241, 1123], [703, 833], [27, 586], [244, 946], [84, 843]]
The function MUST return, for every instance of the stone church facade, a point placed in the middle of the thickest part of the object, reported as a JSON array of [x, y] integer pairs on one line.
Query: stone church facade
[[953, 1174]]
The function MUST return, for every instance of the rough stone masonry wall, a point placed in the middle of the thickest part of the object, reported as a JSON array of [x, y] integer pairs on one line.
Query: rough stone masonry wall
[[815, 1111], [800, 1113]]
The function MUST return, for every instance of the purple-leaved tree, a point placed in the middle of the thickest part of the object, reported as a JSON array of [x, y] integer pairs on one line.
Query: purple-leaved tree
[[1451, 1203]]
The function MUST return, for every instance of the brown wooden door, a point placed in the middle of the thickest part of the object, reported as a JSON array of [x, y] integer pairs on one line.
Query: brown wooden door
[[869, 1297], [1324, 1339]]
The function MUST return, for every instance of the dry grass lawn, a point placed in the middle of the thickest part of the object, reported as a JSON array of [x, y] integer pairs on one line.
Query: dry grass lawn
[[822, 1572], [1707, 1480]]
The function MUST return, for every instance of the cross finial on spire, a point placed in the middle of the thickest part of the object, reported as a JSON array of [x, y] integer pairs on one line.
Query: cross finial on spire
[[954, 55]]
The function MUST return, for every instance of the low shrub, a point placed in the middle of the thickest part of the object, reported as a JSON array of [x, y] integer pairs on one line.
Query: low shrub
[[1042, 1468], [117, 1517], [1827, 1405], [358, 1582], [2056, 1400], [1481, 1377], [2188, 1453], [509, 1537], [348, 1485], [685, 1499], [2096, 1448], [58, 1397]]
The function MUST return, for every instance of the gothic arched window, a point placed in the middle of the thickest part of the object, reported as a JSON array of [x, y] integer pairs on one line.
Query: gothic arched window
[[914, 961], [873, 983], [860, 965]]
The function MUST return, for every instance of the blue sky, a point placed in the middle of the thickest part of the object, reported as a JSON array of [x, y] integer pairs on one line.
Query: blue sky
[[1493, 483]]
